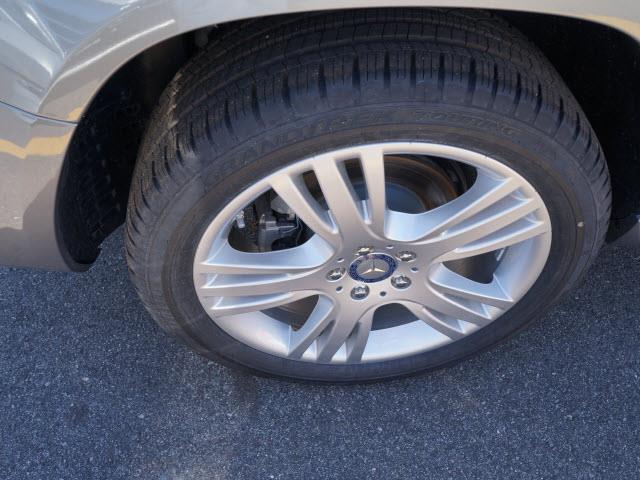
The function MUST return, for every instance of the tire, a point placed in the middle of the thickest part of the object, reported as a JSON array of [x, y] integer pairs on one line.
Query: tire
[[269, 92]]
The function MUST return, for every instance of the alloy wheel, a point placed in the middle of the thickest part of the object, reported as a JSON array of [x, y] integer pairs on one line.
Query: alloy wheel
[[354, 275]]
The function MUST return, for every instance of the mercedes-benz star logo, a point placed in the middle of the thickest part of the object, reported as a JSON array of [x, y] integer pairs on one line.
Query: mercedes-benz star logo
[[369, 269], [372, 267]]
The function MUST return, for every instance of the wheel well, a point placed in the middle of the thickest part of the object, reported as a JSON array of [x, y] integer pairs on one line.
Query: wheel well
[[96, 175], [600, 65]]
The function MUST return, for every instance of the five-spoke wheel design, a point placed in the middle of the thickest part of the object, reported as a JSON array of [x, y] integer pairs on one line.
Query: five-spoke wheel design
[[338, 258]]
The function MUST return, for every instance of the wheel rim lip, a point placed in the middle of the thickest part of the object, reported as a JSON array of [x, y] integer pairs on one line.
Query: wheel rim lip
[[268, 335]]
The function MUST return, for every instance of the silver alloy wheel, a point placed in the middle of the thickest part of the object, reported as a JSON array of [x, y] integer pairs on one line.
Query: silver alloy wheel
[[363, 255]]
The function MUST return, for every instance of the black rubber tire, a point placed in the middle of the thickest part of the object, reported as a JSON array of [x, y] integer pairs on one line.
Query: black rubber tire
[[268, 92]]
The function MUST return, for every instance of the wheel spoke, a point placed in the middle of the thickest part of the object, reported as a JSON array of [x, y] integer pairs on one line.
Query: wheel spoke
[[296, 195], [357, 341], [322, 314], [344, 205], [449, 282], [460, 309], [484, 193], [474, 242], [450, 327], [241, 285], [351, 328], [224, 306], [490, 216], [372, 162], [305, 257]]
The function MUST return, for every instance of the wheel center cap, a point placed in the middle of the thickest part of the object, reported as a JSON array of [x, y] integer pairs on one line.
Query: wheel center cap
[[372, 267]]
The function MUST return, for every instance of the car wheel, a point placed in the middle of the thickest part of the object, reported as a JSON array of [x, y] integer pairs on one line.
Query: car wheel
[[359, 195]]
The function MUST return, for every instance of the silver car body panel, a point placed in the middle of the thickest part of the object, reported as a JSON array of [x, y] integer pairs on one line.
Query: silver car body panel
[[56, 54], [32, 151]]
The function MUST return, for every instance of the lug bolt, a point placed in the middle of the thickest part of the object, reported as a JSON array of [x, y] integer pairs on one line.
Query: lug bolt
[[335, 274], [401, 282], [406, 256], [359, 292], [364, 250]]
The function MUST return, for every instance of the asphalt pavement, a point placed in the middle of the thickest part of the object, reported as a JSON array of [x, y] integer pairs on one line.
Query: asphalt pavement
[[90, 388]]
